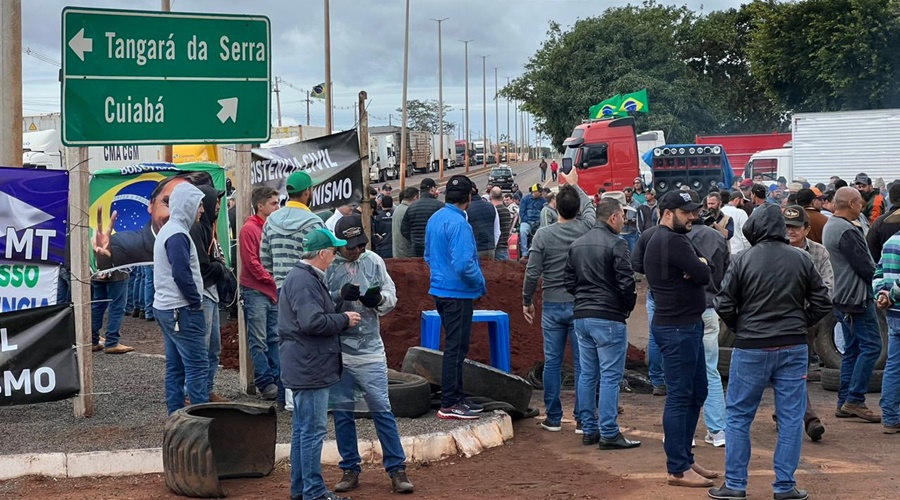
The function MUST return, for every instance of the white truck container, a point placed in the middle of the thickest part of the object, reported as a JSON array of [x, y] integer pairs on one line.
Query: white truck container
[[841, 143], [646, 141], [42, 150], [482, 148], [449, 152]]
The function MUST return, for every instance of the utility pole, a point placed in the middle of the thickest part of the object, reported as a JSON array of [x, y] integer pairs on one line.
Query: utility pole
[[403, 145], [497, 114], [440, 98], [508, 151], [484, 107], [328, 90], [278, 100], [307, 108], [468, 134], [516, 130], [168, 155], [11, 90], [365, 206]]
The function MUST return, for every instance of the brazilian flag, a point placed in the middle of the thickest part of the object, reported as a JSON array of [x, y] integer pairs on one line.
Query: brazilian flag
[[607, 108], [318, 91], [635, 102]]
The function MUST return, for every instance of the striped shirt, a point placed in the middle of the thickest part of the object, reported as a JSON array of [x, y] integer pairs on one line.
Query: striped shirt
[[887, 273]]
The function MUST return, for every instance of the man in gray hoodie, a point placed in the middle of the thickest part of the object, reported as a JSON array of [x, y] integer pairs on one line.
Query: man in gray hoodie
[[177, 303], [283, 233]]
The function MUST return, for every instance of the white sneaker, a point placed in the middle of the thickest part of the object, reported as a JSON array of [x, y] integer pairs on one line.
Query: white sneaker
[[716, 439]]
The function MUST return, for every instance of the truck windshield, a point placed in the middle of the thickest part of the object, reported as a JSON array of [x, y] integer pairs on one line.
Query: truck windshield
[[571, 153]]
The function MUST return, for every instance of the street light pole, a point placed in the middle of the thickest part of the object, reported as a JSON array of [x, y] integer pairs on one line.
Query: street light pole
[[468, 137], [497, 114], [507, 124], [440, 97], [484, 107], [329, 102], [403, 145]]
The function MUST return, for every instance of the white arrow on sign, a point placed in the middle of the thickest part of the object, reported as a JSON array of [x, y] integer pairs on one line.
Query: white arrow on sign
[[229, 109], [79, 44], [21, 215]]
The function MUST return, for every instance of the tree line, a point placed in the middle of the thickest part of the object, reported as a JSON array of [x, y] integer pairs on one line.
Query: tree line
[[741, 70]]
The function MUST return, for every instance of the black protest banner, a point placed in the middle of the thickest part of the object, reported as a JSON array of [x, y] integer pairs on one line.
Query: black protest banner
[[37, 355], [332, 161]]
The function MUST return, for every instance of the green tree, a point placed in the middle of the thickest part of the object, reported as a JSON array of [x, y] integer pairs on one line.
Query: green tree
[[828, 55], [716, 50], [423, 115], [623, 50]]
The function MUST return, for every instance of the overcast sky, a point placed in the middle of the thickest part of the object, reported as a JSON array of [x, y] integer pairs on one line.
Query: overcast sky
[[366, 46]]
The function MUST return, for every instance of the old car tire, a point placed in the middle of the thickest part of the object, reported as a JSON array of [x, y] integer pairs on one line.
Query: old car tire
[[724, 361], [206, 442], [827, 350], [478, 379], [831, 380], [410, 394]]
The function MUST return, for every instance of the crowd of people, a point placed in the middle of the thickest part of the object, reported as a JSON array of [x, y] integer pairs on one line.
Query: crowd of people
[[710, 259], [313, 290]]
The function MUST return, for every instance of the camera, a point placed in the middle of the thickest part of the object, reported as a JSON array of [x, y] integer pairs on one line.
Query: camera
[[707, 217]]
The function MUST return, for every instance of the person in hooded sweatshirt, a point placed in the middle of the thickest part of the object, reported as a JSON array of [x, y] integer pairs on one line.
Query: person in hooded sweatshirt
[[284, 230], [177, 303], [769, 314], [212, 270], [358, 281]]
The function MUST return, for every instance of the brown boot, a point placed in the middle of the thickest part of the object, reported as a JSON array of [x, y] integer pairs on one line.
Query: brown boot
[[699, 469], [860, 410], [119, 349], [215, 398], [690, 479]]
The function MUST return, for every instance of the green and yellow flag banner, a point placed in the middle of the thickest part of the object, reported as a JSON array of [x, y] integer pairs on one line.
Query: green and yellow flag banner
[[635, 102], [607, 108]]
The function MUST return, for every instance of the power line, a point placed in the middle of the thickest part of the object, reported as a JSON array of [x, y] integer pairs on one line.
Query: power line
[[41, 57]]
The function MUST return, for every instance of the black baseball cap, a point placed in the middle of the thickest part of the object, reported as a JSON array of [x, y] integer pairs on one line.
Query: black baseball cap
[[350, 229], [678, 200], [795, 215], [427, 183], [862, 178]]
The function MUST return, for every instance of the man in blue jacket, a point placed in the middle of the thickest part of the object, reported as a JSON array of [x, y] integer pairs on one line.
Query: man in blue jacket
[[456, 281], [310, 352], [530, 215]]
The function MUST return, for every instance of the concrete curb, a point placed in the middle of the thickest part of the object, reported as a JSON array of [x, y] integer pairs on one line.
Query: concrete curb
[[468, 441]]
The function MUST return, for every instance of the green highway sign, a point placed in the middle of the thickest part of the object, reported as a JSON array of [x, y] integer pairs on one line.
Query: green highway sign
[[143, 77]]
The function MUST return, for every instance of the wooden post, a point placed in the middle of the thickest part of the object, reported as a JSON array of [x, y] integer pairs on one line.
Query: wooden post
[[365, 206], [79, 245], [243, 188]]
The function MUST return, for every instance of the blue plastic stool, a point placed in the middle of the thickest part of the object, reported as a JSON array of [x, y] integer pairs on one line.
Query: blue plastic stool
[[498, 334]]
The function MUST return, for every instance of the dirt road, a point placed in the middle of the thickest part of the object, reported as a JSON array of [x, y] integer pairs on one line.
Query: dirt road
[[854, 460]]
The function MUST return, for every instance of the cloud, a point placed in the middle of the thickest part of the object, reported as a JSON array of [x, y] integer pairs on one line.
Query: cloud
[[366, 44]]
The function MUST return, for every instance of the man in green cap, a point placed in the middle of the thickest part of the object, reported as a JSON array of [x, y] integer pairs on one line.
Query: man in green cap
[[309, 329], [283, 233]]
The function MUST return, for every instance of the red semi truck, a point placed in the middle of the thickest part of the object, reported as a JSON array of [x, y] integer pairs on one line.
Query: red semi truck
[[605, 153], [740, 147]]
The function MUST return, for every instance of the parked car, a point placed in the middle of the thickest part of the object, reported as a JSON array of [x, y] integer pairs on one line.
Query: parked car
[[501, 176]]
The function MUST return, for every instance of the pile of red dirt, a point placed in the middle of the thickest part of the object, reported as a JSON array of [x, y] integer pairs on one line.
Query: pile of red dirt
[[401, 328]]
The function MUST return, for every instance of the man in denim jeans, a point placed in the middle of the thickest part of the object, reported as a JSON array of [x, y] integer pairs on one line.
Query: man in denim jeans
[[310, 351], [769, 314], [887, 286], [654, 357], [598, 274], [177, 303], [108, 292], [260, 299], [712, 245], [358, 281], [678, 278], [549, 251], [854, 303]]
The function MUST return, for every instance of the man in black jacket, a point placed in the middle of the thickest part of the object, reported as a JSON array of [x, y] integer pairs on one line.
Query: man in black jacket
[[678, 278], [854, 303], [310, 351], [599, 276], [769, 314], [383, 228], [416, 217], [485, 224], [882, 231], [212, 269]]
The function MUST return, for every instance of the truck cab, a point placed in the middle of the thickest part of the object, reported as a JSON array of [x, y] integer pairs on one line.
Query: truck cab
[[605, 154], [766, 166]]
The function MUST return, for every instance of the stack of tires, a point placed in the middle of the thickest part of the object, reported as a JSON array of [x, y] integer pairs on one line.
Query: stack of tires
[[829, 346]]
